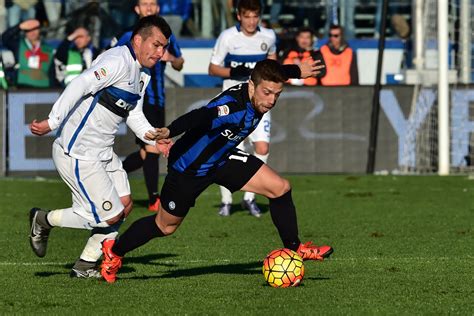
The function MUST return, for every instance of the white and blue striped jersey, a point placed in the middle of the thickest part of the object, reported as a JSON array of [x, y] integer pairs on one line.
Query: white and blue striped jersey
[[89, 111], [234, 48]]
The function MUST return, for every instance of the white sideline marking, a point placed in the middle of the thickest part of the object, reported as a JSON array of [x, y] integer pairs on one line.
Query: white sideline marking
[[430, 259]]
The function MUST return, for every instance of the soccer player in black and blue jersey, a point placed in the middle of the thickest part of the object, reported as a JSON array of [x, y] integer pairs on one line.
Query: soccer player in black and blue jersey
[[207, 154]]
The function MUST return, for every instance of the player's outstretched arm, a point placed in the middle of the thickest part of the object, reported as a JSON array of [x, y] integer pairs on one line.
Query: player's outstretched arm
[[40, 128], [311, 68], [198, 117]]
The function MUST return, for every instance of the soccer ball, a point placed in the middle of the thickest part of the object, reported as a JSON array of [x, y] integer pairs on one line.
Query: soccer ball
[[283, 268]]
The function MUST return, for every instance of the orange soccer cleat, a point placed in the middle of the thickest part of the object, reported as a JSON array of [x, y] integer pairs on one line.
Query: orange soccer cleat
[[111, 262], [155, 207], [308, 251]]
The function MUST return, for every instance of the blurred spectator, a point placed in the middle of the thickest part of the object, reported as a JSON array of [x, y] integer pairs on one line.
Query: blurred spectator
[[74, 55], [91, 14], [20, 10], [33, 57], [303, 50], [340, 60], [348, 12]]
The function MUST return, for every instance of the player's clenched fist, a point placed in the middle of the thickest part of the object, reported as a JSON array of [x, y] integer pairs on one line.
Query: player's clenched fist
[[157, 134], [40, 128]]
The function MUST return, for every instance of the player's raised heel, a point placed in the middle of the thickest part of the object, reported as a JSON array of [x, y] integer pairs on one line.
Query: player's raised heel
[[38, 233], [224, 209], [111, 262], [308, 251], [252, 206]]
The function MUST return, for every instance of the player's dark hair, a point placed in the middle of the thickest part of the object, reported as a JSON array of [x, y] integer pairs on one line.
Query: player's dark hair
[[269, 70], [145, 25], [249, 5]]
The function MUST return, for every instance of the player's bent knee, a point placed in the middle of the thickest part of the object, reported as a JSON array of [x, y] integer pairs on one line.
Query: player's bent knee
[[167, 228], [280, 189]]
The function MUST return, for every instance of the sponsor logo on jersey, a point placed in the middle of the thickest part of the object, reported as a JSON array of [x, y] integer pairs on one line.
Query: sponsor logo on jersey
[[231, 136], [248, 64], [223, 110], [264, 46], [97, 76], [103, 72], [124, 105], [107, 205]]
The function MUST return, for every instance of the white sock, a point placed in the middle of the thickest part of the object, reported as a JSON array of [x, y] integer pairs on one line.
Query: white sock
[[226, 195], [249, 196], [67, 218], [93, 249]]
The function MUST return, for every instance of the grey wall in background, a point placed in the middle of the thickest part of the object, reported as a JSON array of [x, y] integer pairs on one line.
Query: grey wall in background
[[321, 129]]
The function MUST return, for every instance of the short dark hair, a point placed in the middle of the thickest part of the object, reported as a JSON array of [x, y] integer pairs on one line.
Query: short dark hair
[[145, 25], [269, 70], [249, 5], [336, 27], [305, 29]]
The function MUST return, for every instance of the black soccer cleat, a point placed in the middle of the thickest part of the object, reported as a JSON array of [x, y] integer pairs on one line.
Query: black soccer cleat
[[38, 234], [91, 273]]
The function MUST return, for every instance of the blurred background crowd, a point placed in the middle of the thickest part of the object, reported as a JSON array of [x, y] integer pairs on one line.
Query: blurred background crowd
[[91, 25]]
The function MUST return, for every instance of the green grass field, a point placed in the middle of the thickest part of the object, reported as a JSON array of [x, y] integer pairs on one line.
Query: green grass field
[[403, 245]]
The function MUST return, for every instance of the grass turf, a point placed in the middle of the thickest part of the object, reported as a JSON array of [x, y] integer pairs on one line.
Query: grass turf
[[402, 245]]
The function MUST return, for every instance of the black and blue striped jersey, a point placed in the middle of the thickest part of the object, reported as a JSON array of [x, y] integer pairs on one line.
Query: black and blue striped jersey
[[212, 132]]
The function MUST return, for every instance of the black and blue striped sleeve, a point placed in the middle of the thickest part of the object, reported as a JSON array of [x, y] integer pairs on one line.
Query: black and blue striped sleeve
[[174, 48]]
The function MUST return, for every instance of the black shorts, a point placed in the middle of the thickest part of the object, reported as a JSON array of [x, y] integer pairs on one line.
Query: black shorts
[[179, 192], [155, 115]]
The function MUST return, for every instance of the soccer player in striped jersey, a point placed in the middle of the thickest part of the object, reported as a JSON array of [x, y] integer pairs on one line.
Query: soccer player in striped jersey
[[87, 117], [235, 54], [207, 154]]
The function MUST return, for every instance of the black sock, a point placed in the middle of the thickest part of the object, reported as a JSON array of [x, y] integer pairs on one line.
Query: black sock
[[133, 162], [283, 215], [139, 233], [150, 171], [42, 219]]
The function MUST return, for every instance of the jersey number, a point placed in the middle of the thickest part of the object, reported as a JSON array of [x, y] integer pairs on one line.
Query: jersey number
[[241, 155]]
